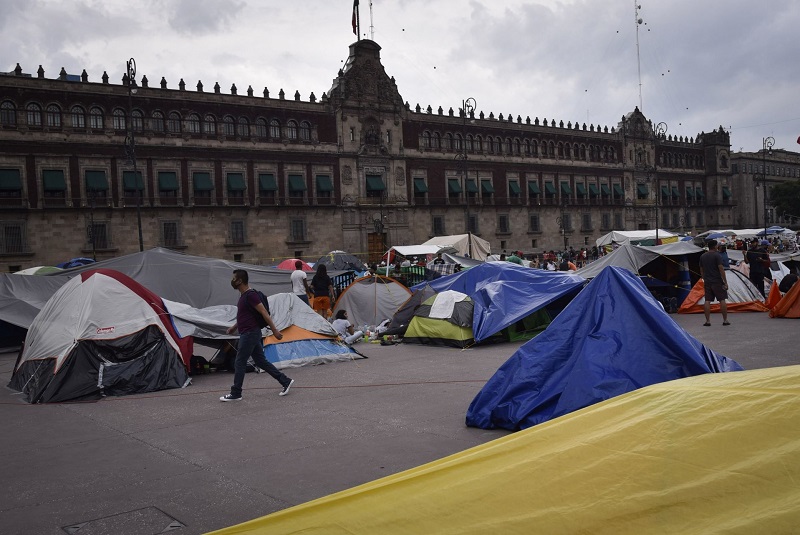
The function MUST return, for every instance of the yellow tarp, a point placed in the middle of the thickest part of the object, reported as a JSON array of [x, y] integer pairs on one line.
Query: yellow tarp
[[716, 453]]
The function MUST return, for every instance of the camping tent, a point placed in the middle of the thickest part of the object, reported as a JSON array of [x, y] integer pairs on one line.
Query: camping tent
[[611, 339], [342, 261], [39, 270], [101, 333], [708, 454], [789, 305], [504, 293], [290, 264], [307, 337], [372, 299], [461, 243], [636, 236], [443, 319], [404, 314], [742, 296]]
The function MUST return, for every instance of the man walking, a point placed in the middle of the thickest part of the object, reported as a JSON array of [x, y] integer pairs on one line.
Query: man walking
[[758, 259], [248, 310], [715, 281]]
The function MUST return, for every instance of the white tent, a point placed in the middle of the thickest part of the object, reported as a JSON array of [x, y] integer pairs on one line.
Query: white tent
[[461, 243], [625, 236]]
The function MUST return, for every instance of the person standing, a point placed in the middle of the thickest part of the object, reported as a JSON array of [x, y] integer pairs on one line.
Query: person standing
[[715, 281], [758, 260], [300, 282], [322, 287], [248, 310]]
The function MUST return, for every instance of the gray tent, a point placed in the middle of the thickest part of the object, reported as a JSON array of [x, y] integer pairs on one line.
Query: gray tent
[[635, 257]]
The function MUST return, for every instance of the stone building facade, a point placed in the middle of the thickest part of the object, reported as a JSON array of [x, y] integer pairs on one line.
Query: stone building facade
[[257, 179], [751, 171]]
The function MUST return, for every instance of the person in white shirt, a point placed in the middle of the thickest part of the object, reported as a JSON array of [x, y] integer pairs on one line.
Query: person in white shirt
[[343, 326], [300, 282]]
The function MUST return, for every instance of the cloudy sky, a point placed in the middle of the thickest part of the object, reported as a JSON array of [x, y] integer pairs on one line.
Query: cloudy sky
[[703, 63]]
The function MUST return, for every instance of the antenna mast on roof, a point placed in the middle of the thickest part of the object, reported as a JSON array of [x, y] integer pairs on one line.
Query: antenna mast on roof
[[638, 20], [371, 27]]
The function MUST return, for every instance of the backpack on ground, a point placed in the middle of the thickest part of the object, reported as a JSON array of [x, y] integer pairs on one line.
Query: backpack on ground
[[259, 317]]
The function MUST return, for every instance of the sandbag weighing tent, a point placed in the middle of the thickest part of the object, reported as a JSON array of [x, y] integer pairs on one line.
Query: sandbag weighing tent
[[101, 333], [611, 339], [716, 453], [372, 299], [510, 296], [307, 337]]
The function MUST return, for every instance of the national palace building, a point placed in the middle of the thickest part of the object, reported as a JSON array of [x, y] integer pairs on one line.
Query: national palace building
[[258, 177]]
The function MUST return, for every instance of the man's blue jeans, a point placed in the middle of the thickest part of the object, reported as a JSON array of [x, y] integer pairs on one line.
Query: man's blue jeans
[[250, 345]]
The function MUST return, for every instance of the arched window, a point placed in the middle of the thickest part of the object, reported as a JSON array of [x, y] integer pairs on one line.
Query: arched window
[[436, 140], [291, 129], [560, 150], [137, 120], [157, 121], [8, 114], [490, 143], [78, 117], [305, 131], [509, 146], [527, 147], [448, 141], [426, 140], [53, 114], [193, 123], [118, 119], [583, 152], [517, 147], [34, 114], [498, 145], [470, 143], [96, 121], [261, 128], [551, 149], [534, 148], [478, 144], [243, 127], [576, 151], [174, 122], [209, 125], [275, 129], [228, 126]]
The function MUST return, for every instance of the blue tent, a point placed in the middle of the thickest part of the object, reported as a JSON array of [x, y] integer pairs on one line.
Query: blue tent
[[504, 293], [611, 339]]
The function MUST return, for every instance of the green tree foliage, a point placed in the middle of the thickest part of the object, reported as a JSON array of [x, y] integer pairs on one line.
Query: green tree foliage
[[786, 198]]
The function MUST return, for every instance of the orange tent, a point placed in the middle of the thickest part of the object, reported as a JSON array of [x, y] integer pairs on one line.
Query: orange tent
[[742, 296], [789, 305]]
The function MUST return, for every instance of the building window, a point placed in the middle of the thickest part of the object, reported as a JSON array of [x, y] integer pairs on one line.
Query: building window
[[14, 239], [203, 187], [297, 229], [291, 129], [438, 226], [688, 220], [436, 142], [453, 190], [10, 186], [375, 186], [237, 236], [228, 126], [193, 123], [137, 120], [132, 184], [8, 114], [426, 140], [498, 145], [586, 222], [297, 188], [168, 186], [174, 122], [487, 189], [236, 188], [53, 113], [210, 125], [34, 114], [157, 122], [566, 222], [118, 119], [54, 186], [420, 188], [513, 189], [503, 226], [171, 234], [618, 222], [605, 222], [96, 121], [78, 117], [97, 235], [324, 188], [275, 129], [243, 127], [305, 131], [472, 224], [533, 223], [261, 128], [700, 219]]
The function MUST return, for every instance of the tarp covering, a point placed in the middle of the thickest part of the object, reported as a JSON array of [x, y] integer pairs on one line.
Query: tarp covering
[[717, 453], [742, 296], [504, 293], [372, 299], [461, 243], [611, 339], [625, 236], [101, 333]]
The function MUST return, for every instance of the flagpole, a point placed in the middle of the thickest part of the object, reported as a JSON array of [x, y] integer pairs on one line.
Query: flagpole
[[371, 26]]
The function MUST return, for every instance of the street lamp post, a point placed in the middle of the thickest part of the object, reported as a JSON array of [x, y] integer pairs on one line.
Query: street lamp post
[[468, 106], [130, 147], [767, 144]]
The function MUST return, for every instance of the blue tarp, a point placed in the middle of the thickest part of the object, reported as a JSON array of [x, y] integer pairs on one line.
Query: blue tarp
[[504, 293], [614, 337]]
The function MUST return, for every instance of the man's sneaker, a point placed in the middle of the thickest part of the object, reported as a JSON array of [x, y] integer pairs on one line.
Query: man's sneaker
[[230, 397], [286, 388]]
